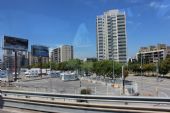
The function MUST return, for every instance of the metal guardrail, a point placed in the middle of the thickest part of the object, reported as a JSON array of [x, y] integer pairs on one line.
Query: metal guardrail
[[130, 99], [63, 107], [16, 99]]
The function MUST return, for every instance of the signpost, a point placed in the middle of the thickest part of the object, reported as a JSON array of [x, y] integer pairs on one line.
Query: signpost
[[15, 44]]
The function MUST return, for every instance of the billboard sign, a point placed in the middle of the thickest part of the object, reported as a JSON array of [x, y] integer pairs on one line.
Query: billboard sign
[[14, 43], [39, 51]]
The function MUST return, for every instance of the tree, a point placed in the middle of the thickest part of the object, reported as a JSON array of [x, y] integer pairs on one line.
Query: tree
[[151, 67], [87, 67], [62, 66], [37, 65], [53, 65], [74, 64], [134, 67], [164, 66], [126, 71], [105, 68], [96, 68], [71, 65], [117, 69], [45, 65]]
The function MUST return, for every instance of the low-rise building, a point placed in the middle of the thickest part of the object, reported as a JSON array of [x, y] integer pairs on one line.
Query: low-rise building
[[92, 59], [153, 53]]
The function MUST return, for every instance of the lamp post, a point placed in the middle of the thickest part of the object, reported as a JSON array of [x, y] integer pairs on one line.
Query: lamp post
[[123, 80], [113, 63], [141, 72], [157, 70], [113, 69], [16, 67]]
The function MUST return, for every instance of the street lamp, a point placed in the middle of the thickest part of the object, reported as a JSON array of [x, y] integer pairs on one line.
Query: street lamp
[[123, 80], [157, 70], [113, 63], [141, 72], [113, 69]]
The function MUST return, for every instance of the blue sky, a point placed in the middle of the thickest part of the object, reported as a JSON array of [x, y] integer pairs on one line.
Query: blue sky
[[57, 22]]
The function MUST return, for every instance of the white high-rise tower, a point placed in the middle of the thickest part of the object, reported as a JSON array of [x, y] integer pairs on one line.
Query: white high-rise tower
[[111, 36]]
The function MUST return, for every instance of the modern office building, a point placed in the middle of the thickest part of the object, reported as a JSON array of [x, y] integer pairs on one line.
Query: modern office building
[[111, 36], [8, 59], [153, 53], [38, 54], [35, 60], [62, 53]]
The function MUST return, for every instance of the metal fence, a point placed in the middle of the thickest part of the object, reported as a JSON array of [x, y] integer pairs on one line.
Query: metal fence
[[99, 87]]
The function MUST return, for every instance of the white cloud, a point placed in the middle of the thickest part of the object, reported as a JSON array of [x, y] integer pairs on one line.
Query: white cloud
[[158, 5]]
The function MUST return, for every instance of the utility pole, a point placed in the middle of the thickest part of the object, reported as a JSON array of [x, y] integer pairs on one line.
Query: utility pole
[[50, 66], [15, 79], [157, 70], [157, 67], [40, 60], [113, 63], [123, 80], [141, 72], [113, 69]]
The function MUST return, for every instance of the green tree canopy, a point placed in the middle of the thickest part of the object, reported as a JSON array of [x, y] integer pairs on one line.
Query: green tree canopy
[[164, 66], [87, 66], [105, 68]]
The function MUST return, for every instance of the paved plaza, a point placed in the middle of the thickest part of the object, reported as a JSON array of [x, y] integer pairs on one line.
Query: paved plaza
[[146, 86], [69, 87], [152, 86]]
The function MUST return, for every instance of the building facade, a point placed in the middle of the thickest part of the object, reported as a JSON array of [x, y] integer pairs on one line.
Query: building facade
[[38, 54], [62, 53], [9, 59], [35, 60], [111, 36], [152, 54], [1, 64], [56, 55], [66, 52], [92, 59]]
